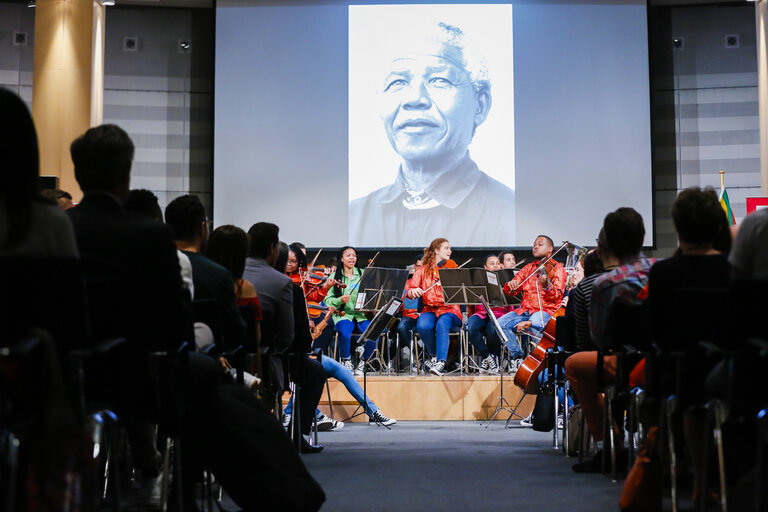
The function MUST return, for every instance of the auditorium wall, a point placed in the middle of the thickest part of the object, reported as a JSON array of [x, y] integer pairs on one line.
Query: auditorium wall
[[704, 98], [161, 94], [705, 112]]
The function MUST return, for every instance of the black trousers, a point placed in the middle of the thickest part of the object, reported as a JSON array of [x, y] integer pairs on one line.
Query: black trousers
[[312, 381], [229, 432]]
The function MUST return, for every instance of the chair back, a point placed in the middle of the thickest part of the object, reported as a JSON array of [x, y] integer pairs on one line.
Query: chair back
[[47, 293], [627, 324]]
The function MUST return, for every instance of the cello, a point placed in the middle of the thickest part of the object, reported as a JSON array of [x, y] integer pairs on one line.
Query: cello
[[527, 376]]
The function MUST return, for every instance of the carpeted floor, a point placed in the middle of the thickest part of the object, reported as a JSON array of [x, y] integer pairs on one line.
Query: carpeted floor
[[452, 466]]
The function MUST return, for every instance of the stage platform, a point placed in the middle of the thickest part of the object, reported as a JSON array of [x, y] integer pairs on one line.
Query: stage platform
[[429, 397]]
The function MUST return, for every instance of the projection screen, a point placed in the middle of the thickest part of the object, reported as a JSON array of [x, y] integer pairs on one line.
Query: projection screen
[[388, 125]]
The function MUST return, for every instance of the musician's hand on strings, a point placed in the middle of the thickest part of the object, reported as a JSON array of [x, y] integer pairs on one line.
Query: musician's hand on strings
[[329, 283], [344, 299], [415, 293], [312, 325], [513, 284], [543, 279]]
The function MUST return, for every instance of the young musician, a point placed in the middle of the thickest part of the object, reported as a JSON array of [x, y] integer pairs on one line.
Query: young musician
[[436, 319], [542, 290], [507, 259], [346, 319], [479, 324], [410, 312]]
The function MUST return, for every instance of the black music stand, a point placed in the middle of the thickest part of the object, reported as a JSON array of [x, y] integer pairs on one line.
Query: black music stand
[[470, 286], [501, 403], [380, 322], [378, 285]]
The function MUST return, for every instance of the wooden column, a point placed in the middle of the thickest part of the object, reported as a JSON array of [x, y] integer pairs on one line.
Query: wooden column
[[67, 81]]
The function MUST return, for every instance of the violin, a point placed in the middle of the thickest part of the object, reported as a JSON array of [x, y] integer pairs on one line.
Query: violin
[[321, 325]]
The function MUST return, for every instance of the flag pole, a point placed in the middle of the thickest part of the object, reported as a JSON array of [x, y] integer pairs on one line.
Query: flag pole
[[722, 181]]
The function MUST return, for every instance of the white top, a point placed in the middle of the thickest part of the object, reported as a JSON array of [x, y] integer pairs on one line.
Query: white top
[[50, 233]]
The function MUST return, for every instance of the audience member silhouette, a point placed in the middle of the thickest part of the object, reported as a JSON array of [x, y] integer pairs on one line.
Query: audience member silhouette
[[29, 225]]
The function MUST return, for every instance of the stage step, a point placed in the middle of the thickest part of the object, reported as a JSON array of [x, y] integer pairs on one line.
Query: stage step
[[429, 397]]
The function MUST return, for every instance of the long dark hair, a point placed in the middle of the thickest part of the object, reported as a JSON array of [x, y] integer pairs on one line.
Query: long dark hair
[[228, 246], [338, 276], [19, 167]]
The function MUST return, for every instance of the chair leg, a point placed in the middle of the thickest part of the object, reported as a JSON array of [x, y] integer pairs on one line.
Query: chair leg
[[11, 460], [718, 410], [670, 409], [330, 402], [762, 443], [555, 438], [566, 419]]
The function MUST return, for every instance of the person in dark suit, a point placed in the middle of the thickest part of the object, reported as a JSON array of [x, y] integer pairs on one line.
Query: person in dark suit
[[281, 299], [186, 217], [225, 429]]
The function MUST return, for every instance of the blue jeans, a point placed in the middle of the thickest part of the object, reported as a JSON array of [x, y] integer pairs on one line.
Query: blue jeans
[[508, 322], [434, 332], [337, 370], [405, 330], [345, 328], [477, 326]]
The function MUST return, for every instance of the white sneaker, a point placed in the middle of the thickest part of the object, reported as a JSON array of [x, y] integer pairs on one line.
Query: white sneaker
[[378, 417], [429, 363], [438, 368], [347, 363], [326, 424], [360, 368], [286, 420], [527, 422], [515, 365]]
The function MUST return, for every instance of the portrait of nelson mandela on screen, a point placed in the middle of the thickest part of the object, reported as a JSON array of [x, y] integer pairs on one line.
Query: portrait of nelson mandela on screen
[[434, 94]]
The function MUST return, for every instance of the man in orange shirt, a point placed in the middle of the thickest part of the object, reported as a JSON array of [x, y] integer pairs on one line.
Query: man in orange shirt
[[542, 295]]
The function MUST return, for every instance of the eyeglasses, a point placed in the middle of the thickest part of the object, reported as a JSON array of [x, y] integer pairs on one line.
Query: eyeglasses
[[293, 261]]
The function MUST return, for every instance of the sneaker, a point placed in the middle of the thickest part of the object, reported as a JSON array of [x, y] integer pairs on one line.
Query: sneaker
[[527, 422], [378, 417], [438, 368], [515, 365], [347, 363], [560, 421], [360, 368], [286, 420], [326, 424], [428, 364], [488, 365]]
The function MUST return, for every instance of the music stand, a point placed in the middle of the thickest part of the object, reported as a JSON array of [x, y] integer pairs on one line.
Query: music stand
[[380, 322], [378, 285]]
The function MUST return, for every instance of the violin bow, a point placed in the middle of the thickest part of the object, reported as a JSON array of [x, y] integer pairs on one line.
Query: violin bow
[[470, 259], [306, 274], [370, 263]]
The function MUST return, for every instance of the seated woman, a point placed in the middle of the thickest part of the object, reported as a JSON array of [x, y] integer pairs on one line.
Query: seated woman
[[346, 319], [333, 368], [228, 246], [479, 324], [315, 286], [436, 319]]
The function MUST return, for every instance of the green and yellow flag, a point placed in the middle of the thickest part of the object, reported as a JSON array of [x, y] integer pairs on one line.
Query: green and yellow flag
[[726, 205]]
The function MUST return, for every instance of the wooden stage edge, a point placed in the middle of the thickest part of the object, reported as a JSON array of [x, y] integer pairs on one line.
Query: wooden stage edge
[[429, 397]]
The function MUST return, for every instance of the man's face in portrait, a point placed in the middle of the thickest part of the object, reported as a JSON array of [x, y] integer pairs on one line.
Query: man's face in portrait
[[430, 107]]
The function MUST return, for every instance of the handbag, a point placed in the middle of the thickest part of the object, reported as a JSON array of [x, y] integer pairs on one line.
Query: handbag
[[544, 410], [642, 488]]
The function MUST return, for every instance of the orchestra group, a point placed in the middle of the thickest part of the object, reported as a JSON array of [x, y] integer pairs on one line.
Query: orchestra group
[[157, 300]]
